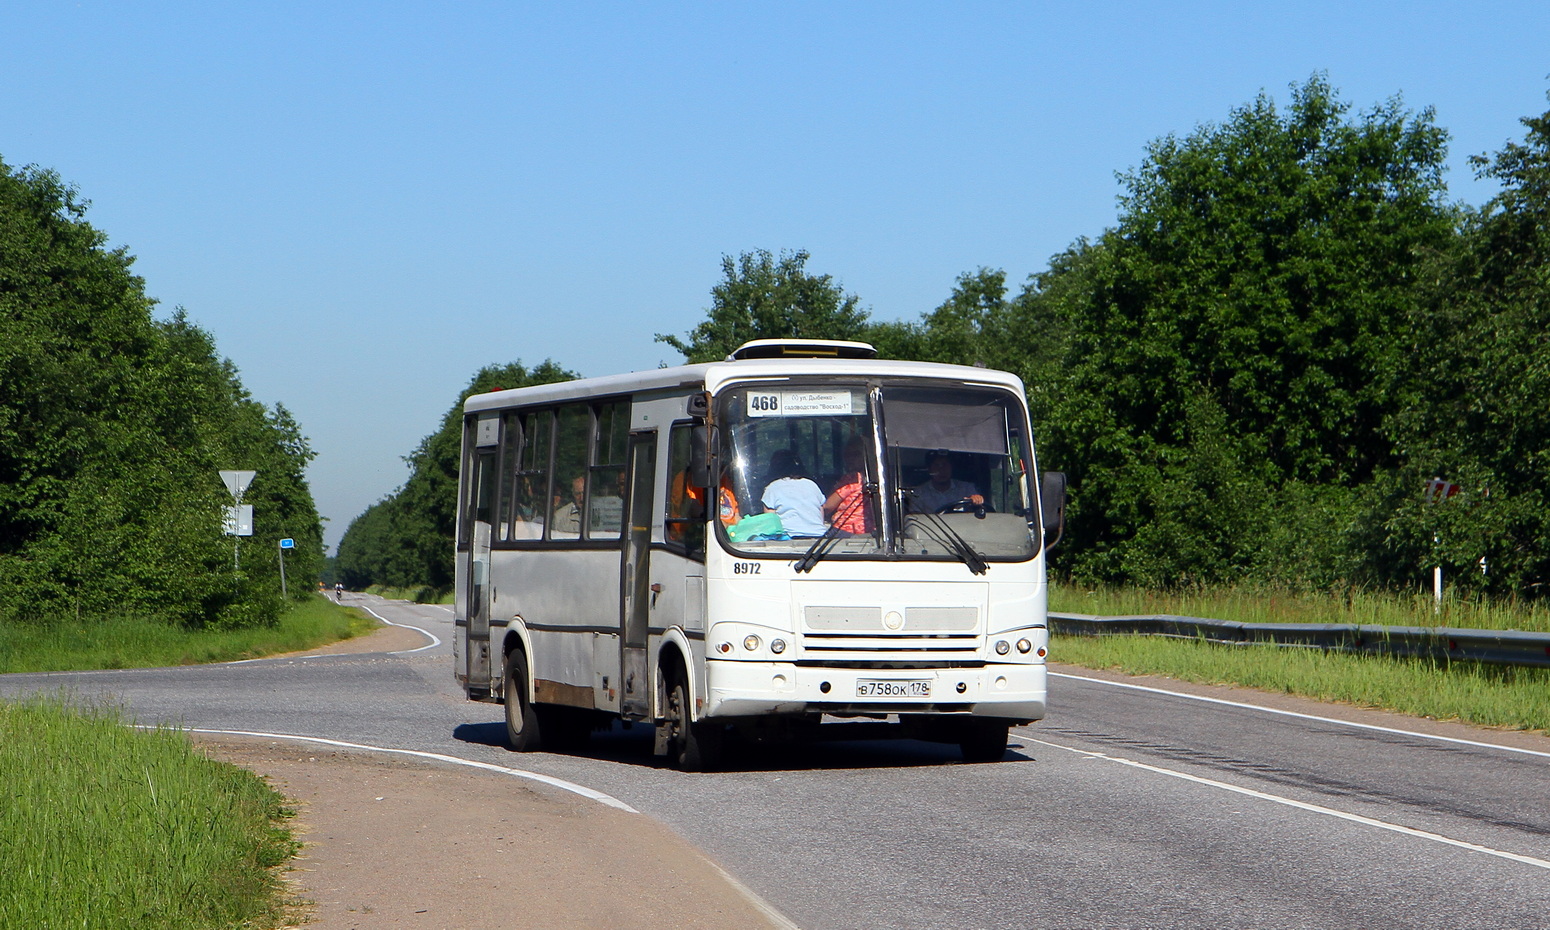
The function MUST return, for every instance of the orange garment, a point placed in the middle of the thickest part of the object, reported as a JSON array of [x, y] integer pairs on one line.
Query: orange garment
[[726, 510]]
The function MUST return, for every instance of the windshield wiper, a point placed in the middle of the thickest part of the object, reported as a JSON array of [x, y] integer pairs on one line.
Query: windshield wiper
[[824, 544], [943, 533]]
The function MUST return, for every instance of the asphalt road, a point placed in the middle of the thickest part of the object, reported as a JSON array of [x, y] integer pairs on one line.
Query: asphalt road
[[1128, 807]]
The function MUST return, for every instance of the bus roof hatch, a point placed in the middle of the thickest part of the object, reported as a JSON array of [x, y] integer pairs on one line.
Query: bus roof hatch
[[802, 348]]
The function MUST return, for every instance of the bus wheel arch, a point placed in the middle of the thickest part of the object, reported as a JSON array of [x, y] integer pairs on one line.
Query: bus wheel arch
[[694, 746]]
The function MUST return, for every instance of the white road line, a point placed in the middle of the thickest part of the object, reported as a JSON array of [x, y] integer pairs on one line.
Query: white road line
[[435, 756], [1292, 713], [1303, 805], [433, 643]]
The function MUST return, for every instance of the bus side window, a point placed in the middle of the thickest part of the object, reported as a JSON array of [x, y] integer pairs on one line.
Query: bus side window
[[685, 503], [605, 500], [573, 429], [511, 451], [531, 487]]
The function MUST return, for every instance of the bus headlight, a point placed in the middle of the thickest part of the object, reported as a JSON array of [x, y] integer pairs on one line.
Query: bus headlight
[[751, 642], [777, 646], [1024, 646], [1003, 647]]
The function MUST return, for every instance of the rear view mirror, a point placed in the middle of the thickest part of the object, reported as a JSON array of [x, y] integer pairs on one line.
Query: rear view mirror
[[1052, 498], [702, 443]]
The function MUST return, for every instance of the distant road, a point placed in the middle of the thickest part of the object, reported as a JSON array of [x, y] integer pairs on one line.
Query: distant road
[[1126, 808]]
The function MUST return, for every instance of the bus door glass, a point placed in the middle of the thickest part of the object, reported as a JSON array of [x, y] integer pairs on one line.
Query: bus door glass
[[481, 505], [635, 578]]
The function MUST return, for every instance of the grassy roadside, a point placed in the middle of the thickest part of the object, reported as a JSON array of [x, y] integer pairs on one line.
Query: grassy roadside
[[1258, 605], [129, 642], [131, 828], [1515, 698]]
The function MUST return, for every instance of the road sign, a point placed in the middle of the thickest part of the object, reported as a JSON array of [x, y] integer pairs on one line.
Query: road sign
[[239, 520], [236, 483], [287, 543]]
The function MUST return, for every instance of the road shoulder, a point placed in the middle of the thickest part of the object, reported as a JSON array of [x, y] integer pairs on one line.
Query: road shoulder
[[397, 843]]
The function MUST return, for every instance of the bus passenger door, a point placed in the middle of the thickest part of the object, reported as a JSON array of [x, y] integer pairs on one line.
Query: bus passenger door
[[481, 502], [635, 579]]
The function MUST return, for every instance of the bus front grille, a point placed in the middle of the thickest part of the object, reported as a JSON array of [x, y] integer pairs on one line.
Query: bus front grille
[[903, 646]]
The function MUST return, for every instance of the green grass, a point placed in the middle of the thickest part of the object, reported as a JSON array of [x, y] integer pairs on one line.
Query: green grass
[[1258, 605], [129, 642], [1486, 695], [105, 826]]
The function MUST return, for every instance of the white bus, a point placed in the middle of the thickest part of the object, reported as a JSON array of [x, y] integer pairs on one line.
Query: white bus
[[743, 548]]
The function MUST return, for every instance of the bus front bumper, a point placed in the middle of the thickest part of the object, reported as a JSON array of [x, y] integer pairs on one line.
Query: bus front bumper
[[743, 689]]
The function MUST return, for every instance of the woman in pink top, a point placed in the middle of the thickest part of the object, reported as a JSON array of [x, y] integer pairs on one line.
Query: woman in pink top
[[846, 509]]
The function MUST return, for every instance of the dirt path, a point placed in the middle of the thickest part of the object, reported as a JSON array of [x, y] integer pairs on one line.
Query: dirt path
[[398, 843]]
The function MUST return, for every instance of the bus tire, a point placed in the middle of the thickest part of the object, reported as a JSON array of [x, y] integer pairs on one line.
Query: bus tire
[[983, 740], [697, 747], [524, 732]]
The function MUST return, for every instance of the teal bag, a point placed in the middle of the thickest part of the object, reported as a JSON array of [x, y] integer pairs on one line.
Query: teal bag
[[759, 524]]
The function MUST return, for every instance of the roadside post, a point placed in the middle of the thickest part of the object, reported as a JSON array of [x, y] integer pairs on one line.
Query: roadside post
[[286, 543], [1437, 491], [239, 516]]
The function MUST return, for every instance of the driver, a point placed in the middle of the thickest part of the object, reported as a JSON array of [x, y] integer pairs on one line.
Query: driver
[[943, 490]]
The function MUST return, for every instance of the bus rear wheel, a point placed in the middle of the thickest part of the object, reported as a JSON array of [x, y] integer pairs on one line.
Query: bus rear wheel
[[524, 732]]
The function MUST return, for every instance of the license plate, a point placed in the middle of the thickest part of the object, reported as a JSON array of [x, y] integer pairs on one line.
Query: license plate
[[914, 689]]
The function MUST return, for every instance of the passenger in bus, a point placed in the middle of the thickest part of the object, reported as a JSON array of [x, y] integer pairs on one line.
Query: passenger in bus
[[943, 490], [794, 496], [567, 514], [846, 509], [607, 510]]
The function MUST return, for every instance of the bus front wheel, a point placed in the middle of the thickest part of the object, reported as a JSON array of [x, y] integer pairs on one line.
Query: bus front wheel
[[523, 733], [983, 741], [696, 747]]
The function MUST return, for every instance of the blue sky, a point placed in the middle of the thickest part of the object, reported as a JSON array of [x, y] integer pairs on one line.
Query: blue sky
[[364, 203]]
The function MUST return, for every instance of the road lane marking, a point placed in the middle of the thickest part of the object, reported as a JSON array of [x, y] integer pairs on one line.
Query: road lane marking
[[435, 756], [1303, 805], [435, 641], [1293, 713]]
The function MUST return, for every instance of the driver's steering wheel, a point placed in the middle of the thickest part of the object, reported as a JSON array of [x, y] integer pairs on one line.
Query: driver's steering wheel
[[963, 505]]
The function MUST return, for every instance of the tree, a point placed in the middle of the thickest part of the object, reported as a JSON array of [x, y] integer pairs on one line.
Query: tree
[[762, 298], [112, 430], [1242, 330], [1478, 412]]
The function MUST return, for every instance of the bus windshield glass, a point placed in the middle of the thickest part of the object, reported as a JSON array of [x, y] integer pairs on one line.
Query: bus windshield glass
[[907, 470]]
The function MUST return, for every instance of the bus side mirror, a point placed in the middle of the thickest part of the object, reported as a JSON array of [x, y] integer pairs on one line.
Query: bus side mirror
[[702, 450], [1052, 498]]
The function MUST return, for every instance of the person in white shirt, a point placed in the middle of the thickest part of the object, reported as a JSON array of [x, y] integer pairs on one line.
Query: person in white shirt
[[794, 496]]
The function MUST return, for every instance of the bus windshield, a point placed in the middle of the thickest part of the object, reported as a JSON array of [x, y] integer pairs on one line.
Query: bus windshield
[[912, 470]]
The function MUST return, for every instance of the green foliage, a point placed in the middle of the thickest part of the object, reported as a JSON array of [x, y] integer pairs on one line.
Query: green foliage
[[1242, 333], [106, 826], [762, 298], [113, 427], [127, 641], [1478, 413], [406, 539]]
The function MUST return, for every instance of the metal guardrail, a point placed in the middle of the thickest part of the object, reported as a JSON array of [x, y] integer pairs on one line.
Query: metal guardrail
[[1497, 647]]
